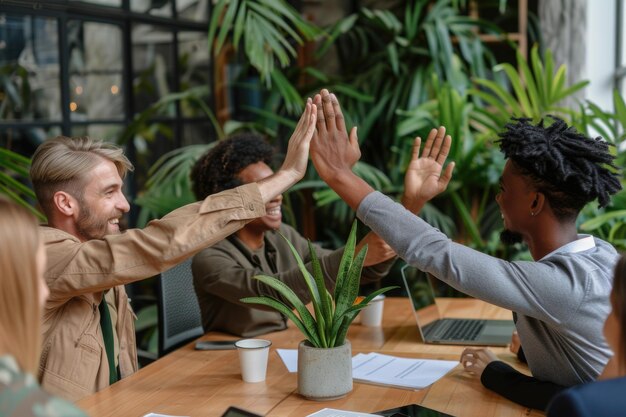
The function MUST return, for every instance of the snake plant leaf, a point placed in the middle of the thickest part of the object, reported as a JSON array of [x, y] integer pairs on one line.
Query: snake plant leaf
[[333, 314], [343, 329], [308, 279], [349, 292], [358, 307], [310, 282], [308, 332], [346, 261], [290, 296], [318, 276]]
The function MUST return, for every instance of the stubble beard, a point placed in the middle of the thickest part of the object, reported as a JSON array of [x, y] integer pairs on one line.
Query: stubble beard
[[89, 227]]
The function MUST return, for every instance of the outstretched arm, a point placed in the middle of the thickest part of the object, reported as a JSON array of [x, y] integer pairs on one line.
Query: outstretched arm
[[425, 177], [294, 166], [334, 152]]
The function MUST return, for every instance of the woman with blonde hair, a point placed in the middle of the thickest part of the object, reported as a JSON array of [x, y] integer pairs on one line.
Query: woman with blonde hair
[[23, 293]]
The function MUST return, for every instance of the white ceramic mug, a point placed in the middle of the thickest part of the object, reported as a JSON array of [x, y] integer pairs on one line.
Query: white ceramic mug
[[372, 315], [253, 354]]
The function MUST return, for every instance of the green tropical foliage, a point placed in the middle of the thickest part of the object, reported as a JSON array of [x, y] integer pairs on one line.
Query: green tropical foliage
[[609, 223], [537, 90], [14, 170], [478, 162], [333, 313], [268, 32]]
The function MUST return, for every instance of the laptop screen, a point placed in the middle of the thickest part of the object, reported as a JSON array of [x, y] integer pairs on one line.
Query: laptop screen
[[421, 295]]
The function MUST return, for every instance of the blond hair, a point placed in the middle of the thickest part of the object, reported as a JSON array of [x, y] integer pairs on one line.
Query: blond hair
[[20, 312], [62, 164]]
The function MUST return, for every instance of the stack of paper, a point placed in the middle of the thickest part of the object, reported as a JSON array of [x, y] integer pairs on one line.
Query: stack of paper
[[398, 372], [331, 412]]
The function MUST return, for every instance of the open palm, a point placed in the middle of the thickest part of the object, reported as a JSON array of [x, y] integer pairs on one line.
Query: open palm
[[425, 177]]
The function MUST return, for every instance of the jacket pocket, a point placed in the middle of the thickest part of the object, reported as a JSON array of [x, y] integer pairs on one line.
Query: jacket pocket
[[71, 372]]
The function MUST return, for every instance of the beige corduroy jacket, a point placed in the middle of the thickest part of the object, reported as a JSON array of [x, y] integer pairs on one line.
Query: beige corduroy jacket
[[73, 361]]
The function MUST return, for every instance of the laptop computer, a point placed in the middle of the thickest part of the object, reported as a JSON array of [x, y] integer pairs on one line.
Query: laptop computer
[[434, 329]]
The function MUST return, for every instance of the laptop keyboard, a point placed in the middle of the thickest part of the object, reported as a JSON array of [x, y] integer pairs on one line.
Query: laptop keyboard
[[459, 329]]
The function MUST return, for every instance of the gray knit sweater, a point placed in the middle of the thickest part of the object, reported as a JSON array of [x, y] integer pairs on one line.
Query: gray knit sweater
[[561, 300]]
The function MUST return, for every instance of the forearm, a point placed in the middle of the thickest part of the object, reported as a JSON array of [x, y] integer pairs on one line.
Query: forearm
[[412, 205], [517, 387], [277, 184], [76, 268], [350, 187]]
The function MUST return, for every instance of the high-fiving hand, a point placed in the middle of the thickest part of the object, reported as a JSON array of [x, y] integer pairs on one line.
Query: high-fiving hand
[[424, 178], [298, 148], [332, 149]]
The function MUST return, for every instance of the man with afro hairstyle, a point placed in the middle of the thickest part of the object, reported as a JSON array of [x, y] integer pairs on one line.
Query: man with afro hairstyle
[[561, 300], [222, 274]]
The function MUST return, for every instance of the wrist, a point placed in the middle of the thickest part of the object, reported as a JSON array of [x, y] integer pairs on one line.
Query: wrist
[[349, 186], [414, 205], [277, 183]]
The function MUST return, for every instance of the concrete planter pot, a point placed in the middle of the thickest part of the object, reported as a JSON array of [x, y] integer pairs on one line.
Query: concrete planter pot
[[324, 374]]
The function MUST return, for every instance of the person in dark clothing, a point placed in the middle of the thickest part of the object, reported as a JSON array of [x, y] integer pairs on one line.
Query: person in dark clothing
[[603, 398], [223, 273]]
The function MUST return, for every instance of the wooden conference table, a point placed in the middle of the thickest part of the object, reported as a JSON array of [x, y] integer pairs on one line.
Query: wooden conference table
[[204, 383]]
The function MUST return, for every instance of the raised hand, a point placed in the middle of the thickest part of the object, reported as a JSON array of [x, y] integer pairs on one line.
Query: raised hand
[[476, 360], [424, 178], [377, 249], [296, 159], [332, 149], [298, 149]]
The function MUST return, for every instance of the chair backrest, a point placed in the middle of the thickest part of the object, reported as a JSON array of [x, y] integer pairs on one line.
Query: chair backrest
[[180, 319]]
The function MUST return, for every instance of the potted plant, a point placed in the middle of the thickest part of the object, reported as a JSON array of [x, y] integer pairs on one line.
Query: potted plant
[[325, 356]]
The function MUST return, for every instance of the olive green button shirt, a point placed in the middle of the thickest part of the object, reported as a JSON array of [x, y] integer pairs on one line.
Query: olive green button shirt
[[223, 274]]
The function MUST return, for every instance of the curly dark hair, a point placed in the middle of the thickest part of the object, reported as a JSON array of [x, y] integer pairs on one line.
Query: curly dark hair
[[569, 168], [217, 169]]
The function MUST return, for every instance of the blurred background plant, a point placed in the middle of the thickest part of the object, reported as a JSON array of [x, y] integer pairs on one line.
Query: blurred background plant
[[399, 71], [399, 68]]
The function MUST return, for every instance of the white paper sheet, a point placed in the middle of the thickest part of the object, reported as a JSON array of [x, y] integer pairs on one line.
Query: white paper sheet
[[375, 368], [160, 415], [331, 412], [290, 358], [399, 372]]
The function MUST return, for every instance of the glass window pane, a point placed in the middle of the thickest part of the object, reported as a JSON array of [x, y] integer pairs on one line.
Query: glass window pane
[[106, 132], [29, 68], [25, 140], [622, 41], [152, 65], [196, 10], [162, 8], [96, 87], [194, 70]]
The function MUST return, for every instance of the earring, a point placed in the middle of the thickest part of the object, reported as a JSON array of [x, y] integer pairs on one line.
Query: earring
[[532, 213]]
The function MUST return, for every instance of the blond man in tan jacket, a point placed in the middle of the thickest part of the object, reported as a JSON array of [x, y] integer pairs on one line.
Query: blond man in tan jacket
[[78, 182]]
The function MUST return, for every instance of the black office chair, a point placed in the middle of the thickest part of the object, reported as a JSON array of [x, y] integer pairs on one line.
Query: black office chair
[[180, 320]]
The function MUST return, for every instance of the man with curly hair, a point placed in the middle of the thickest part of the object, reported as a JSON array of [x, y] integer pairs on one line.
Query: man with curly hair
[[561, 300], [223, 273]]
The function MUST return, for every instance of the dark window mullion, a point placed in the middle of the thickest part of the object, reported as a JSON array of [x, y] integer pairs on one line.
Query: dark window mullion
[[178, 128], [64, 59]]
